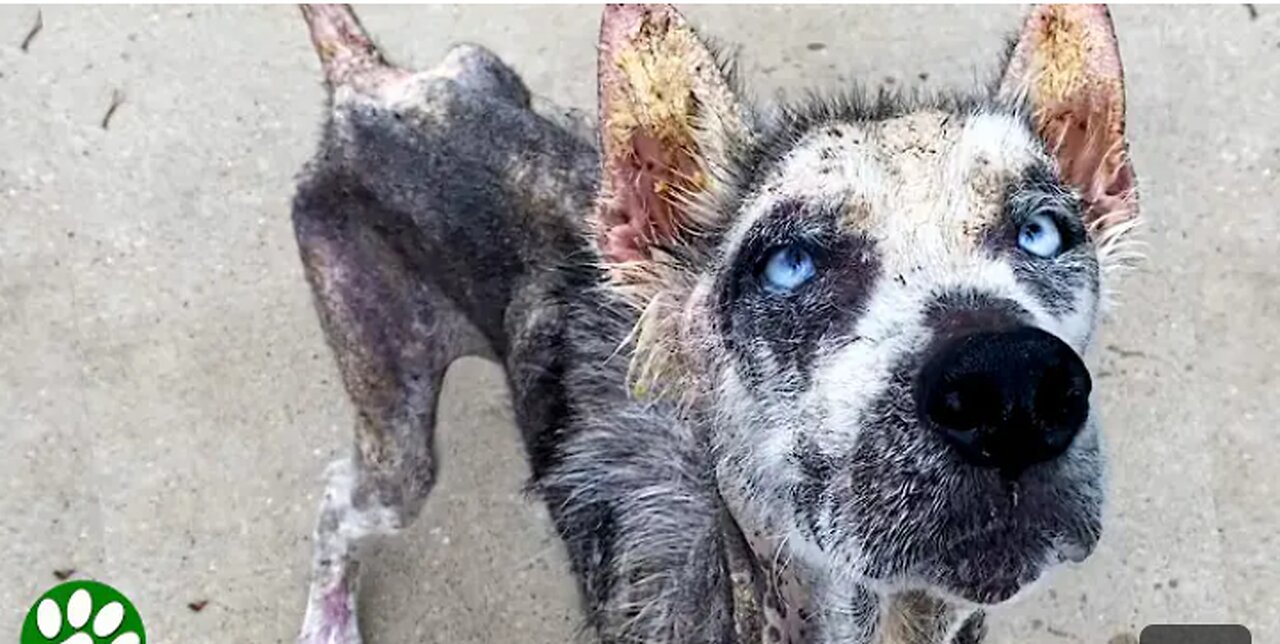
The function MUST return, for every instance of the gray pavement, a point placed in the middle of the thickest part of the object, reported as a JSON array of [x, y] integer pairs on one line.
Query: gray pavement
[[167, 402]]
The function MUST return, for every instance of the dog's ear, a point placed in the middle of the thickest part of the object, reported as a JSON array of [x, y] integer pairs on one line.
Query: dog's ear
[[1066, 67], [667, 115], [669, 119]]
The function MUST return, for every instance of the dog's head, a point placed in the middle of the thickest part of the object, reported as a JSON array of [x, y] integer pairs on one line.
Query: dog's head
[[880, 304]]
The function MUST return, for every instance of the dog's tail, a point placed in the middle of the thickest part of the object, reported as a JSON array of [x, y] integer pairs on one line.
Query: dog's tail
[[346, 51]]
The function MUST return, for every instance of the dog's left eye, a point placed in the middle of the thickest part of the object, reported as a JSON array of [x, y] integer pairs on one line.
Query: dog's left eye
[[788, 267], [1040, 236]]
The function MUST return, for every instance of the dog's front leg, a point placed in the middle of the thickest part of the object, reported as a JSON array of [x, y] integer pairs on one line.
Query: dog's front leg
[[857, 615], [921, 618], [849, 615]]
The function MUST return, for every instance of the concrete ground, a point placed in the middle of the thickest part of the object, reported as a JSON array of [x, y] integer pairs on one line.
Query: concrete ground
[[167, 402]]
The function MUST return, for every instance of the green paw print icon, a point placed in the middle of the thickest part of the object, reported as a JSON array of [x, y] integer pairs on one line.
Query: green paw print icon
[[83, 612]]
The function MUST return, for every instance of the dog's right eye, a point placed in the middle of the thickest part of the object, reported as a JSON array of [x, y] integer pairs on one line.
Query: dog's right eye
[[787, 268], [1040, 236]]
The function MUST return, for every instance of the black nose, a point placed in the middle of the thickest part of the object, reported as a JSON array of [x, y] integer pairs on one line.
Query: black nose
[[1007, 399]]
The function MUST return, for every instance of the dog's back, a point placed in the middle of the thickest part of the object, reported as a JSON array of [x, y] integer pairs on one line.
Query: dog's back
[[480, 194]]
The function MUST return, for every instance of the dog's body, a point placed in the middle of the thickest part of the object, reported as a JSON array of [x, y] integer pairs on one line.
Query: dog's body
[[445, 217]]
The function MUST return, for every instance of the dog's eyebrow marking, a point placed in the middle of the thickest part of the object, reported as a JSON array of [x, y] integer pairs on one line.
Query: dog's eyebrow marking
[[1035, 189], [785, 212], [1038, 187]]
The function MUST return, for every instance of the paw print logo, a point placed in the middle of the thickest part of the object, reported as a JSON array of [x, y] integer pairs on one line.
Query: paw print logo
[[83, 612]]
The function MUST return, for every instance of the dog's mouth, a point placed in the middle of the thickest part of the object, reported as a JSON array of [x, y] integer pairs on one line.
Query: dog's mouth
[[934, 524], [995, 565], [988, 549], [983, 564]]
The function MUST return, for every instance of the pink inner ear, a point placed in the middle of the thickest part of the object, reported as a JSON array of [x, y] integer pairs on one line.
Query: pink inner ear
[[648, 167], [643, 211], [1068, 62], [1087, 138]]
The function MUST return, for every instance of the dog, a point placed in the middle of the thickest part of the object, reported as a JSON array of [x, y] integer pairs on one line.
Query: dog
[[809, 374]]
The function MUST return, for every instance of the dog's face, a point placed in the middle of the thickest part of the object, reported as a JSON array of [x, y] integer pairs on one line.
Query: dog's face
[[899, 313], [881, 306]]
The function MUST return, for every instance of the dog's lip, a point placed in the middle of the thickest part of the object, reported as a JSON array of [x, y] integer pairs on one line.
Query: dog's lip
[[1004, 582]]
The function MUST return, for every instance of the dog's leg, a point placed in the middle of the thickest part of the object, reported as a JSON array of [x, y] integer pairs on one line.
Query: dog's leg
[[331, 602], [373, 320], [394, 334], [392, 330], [405, 219], [920, 618], [851, 615]]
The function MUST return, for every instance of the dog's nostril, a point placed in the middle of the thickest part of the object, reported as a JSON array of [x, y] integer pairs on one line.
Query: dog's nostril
[[1006, 399], [953, 404], [961, 406]]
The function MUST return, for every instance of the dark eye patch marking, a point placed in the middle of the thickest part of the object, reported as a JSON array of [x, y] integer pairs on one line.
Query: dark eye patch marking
[[1056, 282], [786, 329]]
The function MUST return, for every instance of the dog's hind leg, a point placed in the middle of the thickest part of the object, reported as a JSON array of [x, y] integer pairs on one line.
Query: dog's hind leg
[[388, 332], [407, 220], [394, 334]]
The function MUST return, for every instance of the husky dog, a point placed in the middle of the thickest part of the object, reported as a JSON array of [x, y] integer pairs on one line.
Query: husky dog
[[805, 375]]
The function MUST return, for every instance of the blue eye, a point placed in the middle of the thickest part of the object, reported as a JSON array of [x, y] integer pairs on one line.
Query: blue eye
[[787, 268], [1040, 236]]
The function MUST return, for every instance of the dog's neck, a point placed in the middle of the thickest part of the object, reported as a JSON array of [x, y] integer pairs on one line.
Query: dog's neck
[[775, 601], [772, 601]]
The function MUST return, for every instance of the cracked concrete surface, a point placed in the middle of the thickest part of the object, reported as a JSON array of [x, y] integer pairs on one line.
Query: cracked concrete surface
[[167, 403]]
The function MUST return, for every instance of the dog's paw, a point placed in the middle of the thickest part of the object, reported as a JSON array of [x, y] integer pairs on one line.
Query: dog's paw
[[86, 616], [330, 619]]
